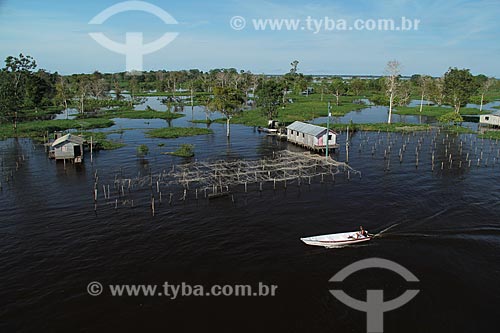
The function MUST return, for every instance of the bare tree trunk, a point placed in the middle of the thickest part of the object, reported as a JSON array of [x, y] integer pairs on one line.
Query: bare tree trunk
[[391, 101], [422, 102], [228, 130], [482, 101], [337, 96]]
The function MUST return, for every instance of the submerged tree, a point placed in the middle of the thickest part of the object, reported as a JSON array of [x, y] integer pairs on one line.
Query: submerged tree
[[227, 101], [393, 71]]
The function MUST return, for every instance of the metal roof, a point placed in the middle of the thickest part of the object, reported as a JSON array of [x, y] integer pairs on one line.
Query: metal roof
[[70, 138], [310, 129]]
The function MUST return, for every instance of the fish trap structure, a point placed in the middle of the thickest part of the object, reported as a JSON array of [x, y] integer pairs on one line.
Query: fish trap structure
[[212, 179], [282, 167]]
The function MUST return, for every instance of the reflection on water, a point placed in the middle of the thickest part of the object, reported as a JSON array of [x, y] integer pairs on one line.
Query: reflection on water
[[53, 243]]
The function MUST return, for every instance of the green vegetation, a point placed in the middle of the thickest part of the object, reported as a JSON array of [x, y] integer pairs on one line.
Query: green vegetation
[[227, 101], [382, 127], [206, 121], [170, 94], [450, 117], [177, 132], [493, 135], [142, 150], [41, 112], [39, 129], [303, 108], [129, 113], [185, 150], [101, 140], [456, 129], [433, 111], [459, 87]]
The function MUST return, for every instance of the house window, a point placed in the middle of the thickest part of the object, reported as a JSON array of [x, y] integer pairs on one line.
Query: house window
[[487, 118], [329, 137], [302, 134]]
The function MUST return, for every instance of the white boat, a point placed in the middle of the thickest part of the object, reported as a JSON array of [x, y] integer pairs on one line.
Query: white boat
[[267, 130], [337, 240]]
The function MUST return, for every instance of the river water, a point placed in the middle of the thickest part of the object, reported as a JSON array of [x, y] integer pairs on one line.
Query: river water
[[440, 224]]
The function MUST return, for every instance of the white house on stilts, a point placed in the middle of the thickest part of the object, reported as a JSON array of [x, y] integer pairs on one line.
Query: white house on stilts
[[311, 136]]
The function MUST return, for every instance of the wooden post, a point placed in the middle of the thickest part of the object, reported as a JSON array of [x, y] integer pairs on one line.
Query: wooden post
[[153, 205], [91, 149]]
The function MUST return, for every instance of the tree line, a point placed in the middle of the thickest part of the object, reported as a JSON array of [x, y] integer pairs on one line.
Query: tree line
[[24, 88]]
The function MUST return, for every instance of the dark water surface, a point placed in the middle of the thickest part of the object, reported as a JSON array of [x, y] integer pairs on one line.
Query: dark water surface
[[444, 227]]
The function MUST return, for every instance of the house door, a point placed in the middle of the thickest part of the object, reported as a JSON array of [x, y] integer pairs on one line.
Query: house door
[[78, 151]]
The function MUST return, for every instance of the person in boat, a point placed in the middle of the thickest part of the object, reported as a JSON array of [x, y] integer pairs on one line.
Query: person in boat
[[362, 232]]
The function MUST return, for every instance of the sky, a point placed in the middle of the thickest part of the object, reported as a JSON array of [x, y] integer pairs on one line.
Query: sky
[[451, 33]]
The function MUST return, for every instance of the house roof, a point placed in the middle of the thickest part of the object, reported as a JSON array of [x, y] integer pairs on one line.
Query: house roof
[[68, 138], [310, 129]]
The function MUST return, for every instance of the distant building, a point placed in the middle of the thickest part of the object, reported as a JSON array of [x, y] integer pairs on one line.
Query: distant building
[[311, 136], [68, 147]]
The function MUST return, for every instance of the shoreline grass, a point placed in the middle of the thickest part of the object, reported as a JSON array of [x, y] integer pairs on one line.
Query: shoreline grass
[[128, 113], [382, 127], [303, 108], [177, 132], [101, 138], [491, 135], [433, 111], [39, 129], [205, 121]]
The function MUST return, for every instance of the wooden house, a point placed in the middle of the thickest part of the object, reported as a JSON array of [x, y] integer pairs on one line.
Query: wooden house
[[490, 120], [311, 136], [68, 147]]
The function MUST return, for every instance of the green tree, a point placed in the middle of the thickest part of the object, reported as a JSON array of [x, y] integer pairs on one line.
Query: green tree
[[9, 103], [324, 85], [18, 82], [269, 97], [403, 93], [424, 83], [338, 87], [459, 86], [227, 101], [64, 95], [437, 92], [485, 87], [357, 86], [450, 117]]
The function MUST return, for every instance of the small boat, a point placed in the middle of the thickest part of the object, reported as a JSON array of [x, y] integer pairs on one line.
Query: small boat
[[267, 130], [337, 240]]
